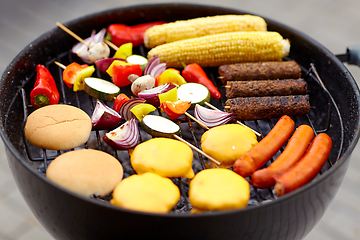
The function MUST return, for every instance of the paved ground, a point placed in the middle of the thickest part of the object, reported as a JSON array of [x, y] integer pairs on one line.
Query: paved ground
[[335, 24]]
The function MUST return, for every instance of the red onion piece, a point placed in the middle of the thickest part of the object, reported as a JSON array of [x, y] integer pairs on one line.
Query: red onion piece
[[104, 117], [212, 118], [158, 69], [127, 106], [124, 137], [104, 64], [151, 64], [151, 96], [81, 50]]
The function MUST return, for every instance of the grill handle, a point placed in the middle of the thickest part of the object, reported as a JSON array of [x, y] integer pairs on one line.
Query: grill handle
[[352, 55]]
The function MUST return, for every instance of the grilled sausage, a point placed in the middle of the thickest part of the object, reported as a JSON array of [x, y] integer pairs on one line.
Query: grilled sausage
[[259, 71], [306, 168], [294, 150], [266, 88], [266, 148], [260, 108]]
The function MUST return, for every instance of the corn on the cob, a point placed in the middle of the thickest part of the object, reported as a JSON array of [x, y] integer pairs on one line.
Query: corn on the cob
[[223, 48], [197, 27]]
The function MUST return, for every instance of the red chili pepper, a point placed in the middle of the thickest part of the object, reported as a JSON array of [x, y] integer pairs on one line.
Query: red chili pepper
[[121, 33], [45, 91], [175, 109], [122, 72], [119, 101], [195, 74]]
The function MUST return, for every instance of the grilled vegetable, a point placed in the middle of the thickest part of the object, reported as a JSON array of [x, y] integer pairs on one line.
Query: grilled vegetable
[[79, 83], [223, 48], [294, 150], [104, 117], [170, 75], [152, 95], [142, 109], [123, 74], [266, 148], [71, 71], [123, 137], [119, 101], [101, 89], [142, 83], [195, 74], [124, 51], [306, 168], [259, 71], [175, 109], [195, 93], [120, 33], [45, 91], [197, 27], [158, 126], [98, 51], [138, 59], [210, 117]]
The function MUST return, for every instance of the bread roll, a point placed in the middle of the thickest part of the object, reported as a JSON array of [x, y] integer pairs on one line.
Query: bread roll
[[58, 127], [86, 172]]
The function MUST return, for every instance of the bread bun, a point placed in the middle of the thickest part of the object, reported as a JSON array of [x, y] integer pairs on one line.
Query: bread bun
[[86, 172], [58, 127]]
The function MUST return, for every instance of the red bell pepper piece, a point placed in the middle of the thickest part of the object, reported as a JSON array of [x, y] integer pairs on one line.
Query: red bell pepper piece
[[175, 109], [122, 72], [121, 33], [195, 74], [119, 101], [45, 91]]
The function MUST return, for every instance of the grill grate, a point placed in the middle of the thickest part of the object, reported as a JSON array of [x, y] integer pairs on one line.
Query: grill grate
[[190, 130]]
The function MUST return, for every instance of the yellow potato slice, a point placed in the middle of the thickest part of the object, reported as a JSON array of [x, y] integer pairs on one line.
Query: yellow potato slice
[[218, 189], [148, 192]]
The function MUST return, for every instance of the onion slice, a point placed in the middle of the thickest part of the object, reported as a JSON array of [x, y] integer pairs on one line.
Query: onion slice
[[151, 96], [104, 64], [212, 118], [127, 106], [124, 137], [104, 117], [81, 50], [154, 68]]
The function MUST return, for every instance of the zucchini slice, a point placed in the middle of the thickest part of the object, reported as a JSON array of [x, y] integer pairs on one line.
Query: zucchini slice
[[101, 89], [138, 59], [158, 126], [195, 93]]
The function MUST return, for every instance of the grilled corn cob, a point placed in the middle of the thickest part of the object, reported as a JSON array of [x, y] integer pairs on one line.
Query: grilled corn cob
[[197, 27], [223, 48]]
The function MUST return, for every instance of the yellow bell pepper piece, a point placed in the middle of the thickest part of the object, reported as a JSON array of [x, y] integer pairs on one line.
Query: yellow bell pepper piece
[[79, 83], [164, 156], [218, 189], [170, 76], [170, 95], [148, 192], [124, 51], [117, 63], [142, 109], [227, 143]]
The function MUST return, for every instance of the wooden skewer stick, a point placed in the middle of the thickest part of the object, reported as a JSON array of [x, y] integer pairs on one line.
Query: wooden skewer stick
[[238, 122], [60, 65], [71, 33], [113, 46], [197, 121], [196, 149]]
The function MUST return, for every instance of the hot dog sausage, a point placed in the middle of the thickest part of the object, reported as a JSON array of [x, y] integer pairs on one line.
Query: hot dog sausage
[[294, 150], [266, 148], [306, 168]]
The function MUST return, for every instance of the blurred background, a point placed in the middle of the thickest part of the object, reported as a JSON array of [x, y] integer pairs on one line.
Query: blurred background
[[334, 24]]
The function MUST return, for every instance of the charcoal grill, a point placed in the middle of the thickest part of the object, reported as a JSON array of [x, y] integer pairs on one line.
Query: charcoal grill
[[334, 99]]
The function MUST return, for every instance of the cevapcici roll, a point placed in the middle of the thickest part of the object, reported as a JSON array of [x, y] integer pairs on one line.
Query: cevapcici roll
[[266, 88], [260, 108], [259, 71]]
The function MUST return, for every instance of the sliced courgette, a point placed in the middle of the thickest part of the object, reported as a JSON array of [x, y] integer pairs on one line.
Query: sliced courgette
[[101, 89], [138, 59], [158, 126], [195, 93]]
